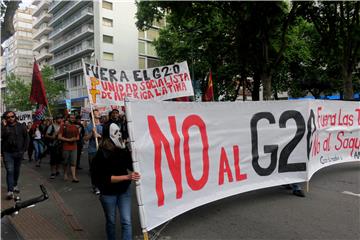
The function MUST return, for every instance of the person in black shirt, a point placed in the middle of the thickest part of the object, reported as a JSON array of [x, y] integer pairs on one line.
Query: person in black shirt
[[14, 142], [113, 173]]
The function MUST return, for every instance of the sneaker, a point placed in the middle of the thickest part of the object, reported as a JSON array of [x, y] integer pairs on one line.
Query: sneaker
[[16, 189], [299, 193], [52, 176], [96, 191], [9, 195]]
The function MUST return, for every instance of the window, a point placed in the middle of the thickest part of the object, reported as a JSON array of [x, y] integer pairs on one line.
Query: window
[[142, 48], [142, 63], [107, 22], [152, 34], [107, 5], [108, 56], [151, 49], [107, 39], [151, 62], [141, 34]]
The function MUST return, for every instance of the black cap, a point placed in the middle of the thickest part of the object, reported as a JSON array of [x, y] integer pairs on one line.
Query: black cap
[[59, 116]]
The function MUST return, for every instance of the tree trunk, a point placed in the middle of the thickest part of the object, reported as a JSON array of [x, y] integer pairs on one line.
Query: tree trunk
[[266, 81], [348, 86], [255, 93]]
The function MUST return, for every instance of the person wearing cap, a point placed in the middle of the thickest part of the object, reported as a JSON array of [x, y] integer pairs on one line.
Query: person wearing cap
[[14, 142], [55, 146], [112, 169]]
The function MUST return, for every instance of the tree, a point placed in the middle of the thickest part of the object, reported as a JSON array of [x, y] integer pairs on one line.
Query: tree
[[17, 92], [339, 27], [235, 39]]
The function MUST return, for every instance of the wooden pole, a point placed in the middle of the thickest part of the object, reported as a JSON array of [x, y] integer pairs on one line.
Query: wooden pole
[[146, 235]]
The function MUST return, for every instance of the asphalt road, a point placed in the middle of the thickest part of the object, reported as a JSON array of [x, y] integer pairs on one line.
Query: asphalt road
[[273, 213]]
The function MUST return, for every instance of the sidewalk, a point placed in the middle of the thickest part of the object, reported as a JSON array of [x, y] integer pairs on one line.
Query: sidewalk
[[51, 219], [72, 210]]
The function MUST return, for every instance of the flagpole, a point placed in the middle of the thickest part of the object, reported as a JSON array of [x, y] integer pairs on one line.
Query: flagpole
[[91, 108]]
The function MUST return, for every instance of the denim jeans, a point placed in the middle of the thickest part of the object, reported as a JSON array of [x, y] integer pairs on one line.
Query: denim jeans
[[12, 163], [38, 148], [123, 203]]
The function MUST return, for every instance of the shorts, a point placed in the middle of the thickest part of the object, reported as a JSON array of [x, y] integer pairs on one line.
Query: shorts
[[70, 157]]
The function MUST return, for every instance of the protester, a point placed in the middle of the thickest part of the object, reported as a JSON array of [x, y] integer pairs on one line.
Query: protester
[[296, 189], [30, 149], [110, 169], [55, 146], [90, 133], [69, 134], [39, 146], [14, 142], [80, 142]]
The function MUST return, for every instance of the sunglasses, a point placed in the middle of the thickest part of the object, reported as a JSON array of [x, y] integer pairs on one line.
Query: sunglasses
[[12, 116]]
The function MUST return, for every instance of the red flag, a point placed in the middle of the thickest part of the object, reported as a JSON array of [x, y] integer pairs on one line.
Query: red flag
[[209, 93], [38, 94]]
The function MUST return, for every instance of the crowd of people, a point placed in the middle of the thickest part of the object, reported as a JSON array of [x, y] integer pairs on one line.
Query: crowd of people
[[109, 156]]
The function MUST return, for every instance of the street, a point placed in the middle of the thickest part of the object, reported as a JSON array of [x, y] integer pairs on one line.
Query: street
[[273, 213]]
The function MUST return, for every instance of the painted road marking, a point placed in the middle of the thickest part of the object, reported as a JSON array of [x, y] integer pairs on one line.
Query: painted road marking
[[351, 193]]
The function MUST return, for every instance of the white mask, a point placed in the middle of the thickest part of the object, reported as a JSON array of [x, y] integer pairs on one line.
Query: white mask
[[115, 136]]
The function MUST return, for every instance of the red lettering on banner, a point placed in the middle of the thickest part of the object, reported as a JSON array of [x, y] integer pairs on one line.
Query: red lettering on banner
[[190, 121], [174, 162], [224, 167], [352, 143], [238, 175], [358, 118]]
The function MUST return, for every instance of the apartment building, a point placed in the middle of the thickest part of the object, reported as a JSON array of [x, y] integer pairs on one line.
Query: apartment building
[[41, 31], [96, 31], [18, 54]]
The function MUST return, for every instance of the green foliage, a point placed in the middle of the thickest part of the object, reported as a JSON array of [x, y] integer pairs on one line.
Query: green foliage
[[17, 92]]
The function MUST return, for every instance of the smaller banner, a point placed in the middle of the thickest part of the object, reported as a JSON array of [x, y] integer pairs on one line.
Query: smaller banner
[[109, 87], [84, 113], [24, 117]]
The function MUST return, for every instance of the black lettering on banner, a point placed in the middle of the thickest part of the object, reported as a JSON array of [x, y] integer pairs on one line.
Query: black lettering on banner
[[102, 74], [176, 68], [166, 69], [136, 75], [284, 166], [156, 73], [267, 148], [112, 73]]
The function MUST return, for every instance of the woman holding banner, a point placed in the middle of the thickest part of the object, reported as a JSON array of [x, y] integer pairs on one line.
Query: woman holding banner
[[111, 167]]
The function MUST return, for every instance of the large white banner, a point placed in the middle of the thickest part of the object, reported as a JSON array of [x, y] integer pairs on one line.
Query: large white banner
[[190, 154], [109, 87]]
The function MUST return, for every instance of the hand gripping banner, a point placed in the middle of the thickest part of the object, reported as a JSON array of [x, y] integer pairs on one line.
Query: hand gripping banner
[[190, 154]]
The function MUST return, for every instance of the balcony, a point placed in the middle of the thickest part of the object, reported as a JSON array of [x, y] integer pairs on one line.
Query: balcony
[[43, 30], [72, 22], [73, 38], [43, 56], [70, 55], [56, 5], [66, 11], [38, 45], [63, 73], [43, 18], [43, 6]]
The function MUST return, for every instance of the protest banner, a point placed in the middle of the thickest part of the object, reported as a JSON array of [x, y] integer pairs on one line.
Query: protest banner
[[190, 154], [25, 116], [109, 87]]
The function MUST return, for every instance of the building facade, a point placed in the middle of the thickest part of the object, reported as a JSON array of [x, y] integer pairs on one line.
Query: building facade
[[102, 32], [41, 31], [18, 54]]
